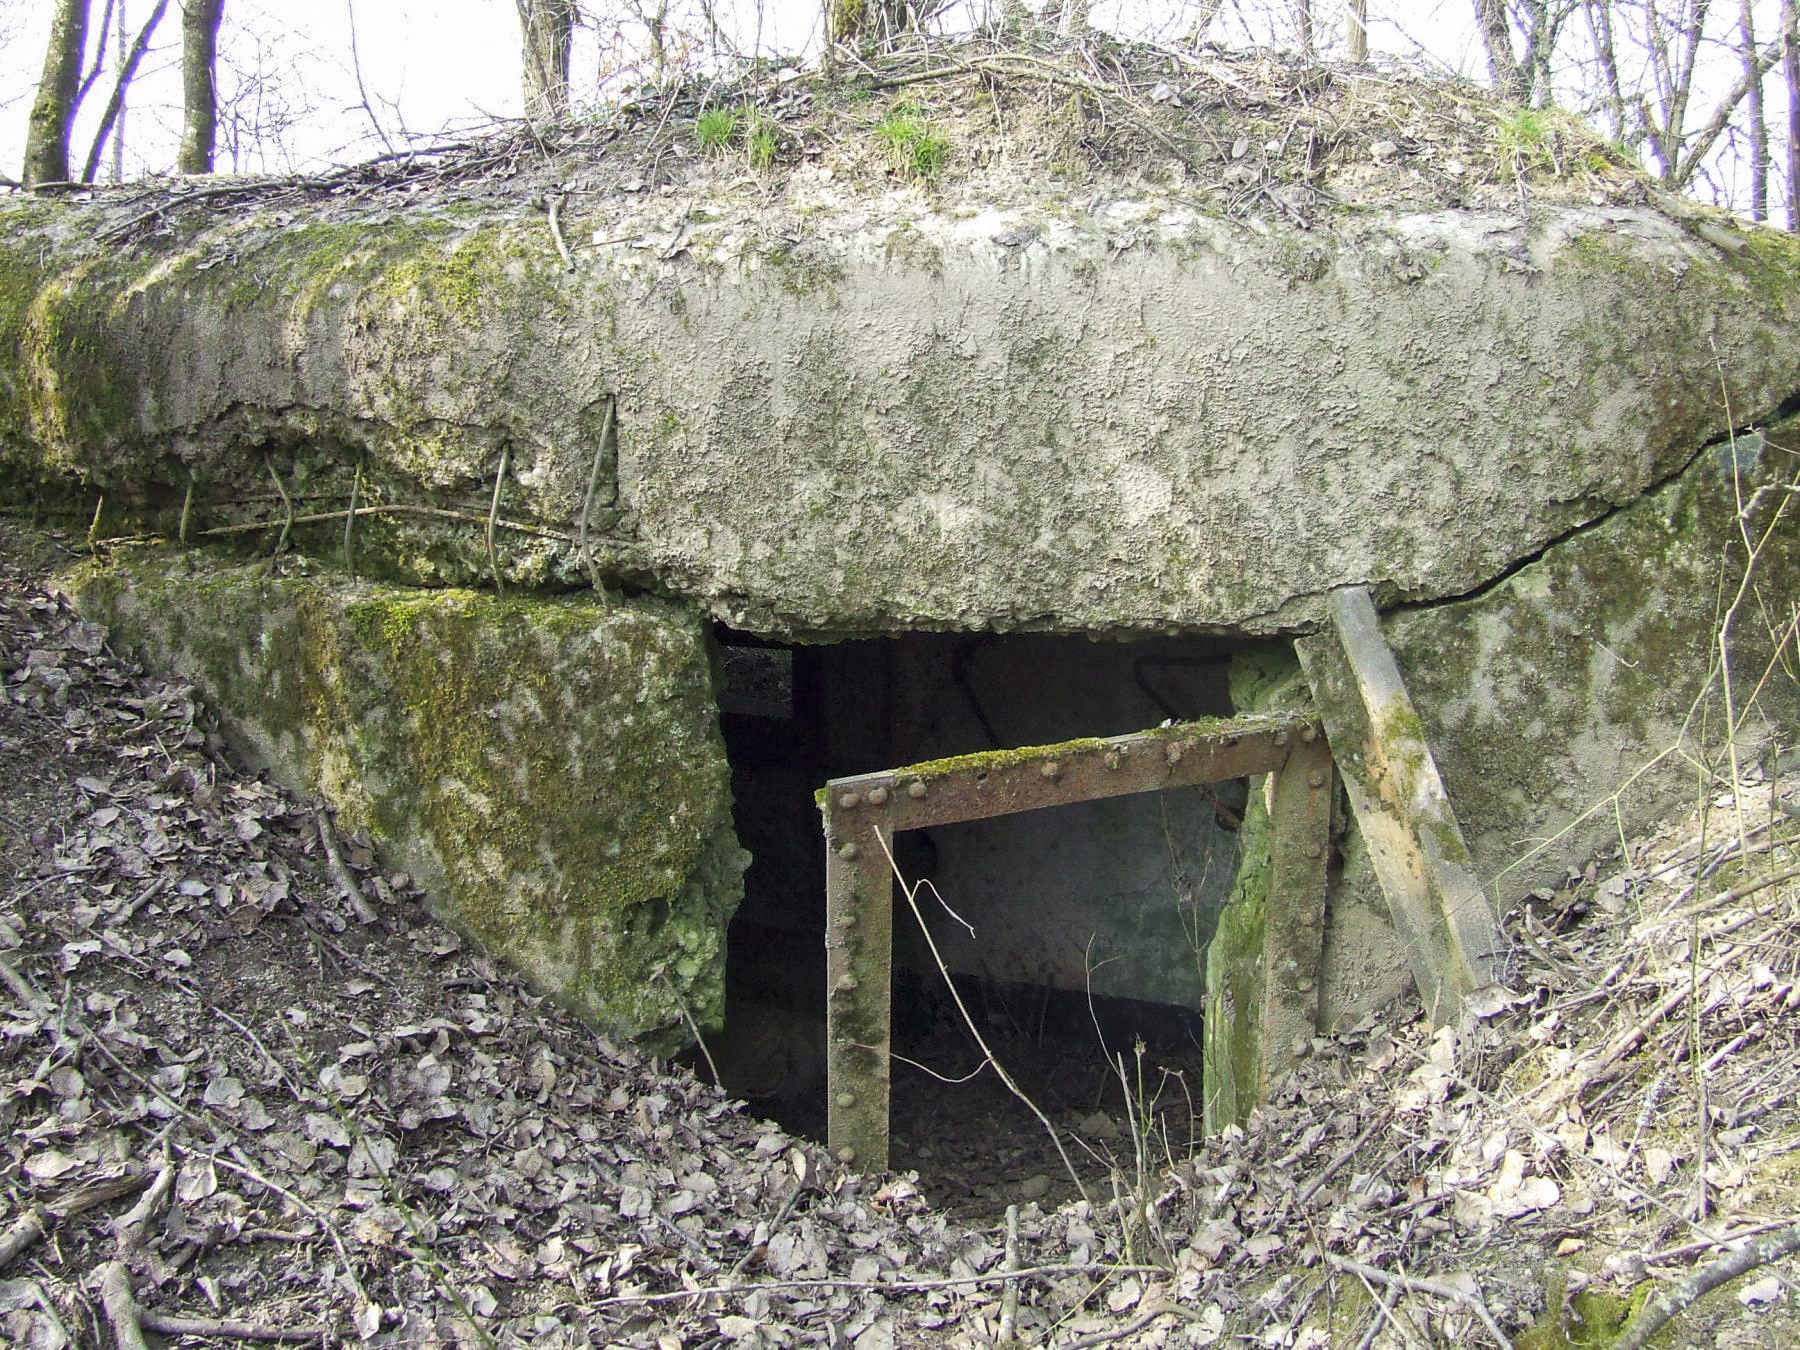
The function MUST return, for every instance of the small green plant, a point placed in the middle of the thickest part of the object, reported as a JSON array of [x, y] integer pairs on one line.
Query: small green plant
[[1526, 139], [919, 150], [759, 142], [716, 128]]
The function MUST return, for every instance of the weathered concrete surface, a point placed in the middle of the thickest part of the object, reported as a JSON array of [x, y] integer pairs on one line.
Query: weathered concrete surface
[[551, 771], [1575, 699], [1300, 808], [857, 412], [1581, 694], [1441, 915]]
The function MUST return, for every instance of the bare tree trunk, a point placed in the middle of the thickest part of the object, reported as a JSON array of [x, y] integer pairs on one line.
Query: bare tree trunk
[[93, 75], [1598, 14], [200, 21], [1753, 110], [874, 23], [1303, 20], [1790, 72], [115, 106], [47, 135], [1356, 30], [1496, 35], [118, 140], [547, 30], [1206, 14], [656, 24]]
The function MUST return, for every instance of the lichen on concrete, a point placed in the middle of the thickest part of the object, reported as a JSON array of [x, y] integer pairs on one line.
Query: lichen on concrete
[[1264, 678], [550, 769], [1232, 1045]]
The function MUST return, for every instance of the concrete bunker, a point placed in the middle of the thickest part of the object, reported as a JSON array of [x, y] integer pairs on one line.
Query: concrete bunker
[[1532, 436]]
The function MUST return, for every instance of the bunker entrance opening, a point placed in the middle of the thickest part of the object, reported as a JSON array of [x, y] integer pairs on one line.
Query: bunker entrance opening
[[1071, 933]]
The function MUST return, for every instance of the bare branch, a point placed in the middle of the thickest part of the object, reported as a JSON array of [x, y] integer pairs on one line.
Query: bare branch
[[116, 104]]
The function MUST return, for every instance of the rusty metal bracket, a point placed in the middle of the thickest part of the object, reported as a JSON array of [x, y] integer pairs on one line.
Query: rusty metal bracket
[[863, 813]]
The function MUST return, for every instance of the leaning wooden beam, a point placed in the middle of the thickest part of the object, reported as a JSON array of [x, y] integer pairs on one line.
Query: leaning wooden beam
[[1421, 861], [863, 813]]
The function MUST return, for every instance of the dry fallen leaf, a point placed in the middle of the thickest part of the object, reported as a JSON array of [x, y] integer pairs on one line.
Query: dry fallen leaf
[[49, 1165]]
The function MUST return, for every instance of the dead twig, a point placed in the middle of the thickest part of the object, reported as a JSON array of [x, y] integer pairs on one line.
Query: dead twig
[[121, 1307], [494, 516], [1132, 1327], [886, 1286], [910, 891], [34, 1223], [349, 521], [225, 1328], [1009, 1300], [1326, 1172], [23, 989], [287, 502], [693, 1026], [395, 509], [21, 1233], [787, 1207], [1433, 1288], [41, 1297], [340, 873], [562, 246], [1384, 1312], [1669, 1302], [607, 431]]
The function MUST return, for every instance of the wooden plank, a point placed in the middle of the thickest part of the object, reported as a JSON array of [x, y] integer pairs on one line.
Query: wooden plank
[[1439, 910]]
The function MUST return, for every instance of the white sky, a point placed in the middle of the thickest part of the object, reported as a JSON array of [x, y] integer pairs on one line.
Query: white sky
[[430, 67]]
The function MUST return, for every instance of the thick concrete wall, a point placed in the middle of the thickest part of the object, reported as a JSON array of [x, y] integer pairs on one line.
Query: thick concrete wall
[[1107, 414], [549, 770], [1578, 698], [850, 412]]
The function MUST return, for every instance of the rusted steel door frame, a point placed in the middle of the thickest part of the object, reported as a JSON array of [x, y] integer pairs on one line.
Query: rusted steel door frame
[[863, 813]]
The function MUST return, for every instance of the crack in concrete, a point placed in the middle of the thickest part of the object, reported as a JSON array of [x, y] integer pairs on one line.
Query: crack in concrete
[[1788, 407]]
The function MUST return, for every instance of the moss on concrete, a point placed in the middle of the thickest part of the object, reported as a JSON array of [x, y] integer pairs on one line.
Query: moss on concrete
[[1232, 1076], [1264, 678], [550, 769], [1576, 676]]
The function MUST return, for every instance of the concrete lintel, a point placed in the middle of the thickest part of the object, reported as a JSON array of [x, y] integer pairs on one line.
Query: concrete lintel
[[1400, 805]]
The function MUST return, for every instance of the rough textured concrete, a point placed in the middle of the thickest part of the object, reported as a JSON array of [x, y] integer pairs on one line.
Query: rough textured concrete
[[1582, 694], [1098, 414], [1111, 401], [551, 771], [1576, 698]]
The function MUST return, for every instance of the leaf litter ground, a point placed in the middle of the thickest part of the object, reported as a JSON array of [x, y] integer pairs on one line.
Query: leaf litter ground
[[252, 1088]]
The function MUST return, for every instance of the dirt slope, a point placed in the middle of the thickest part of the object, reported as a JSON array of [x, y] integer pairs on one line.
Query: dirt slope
[[246, 1082]]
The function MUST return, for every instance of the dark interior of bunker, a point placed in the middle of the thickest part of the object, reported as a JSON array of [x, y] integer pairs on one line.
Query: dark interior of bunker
[[1075, 935]]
